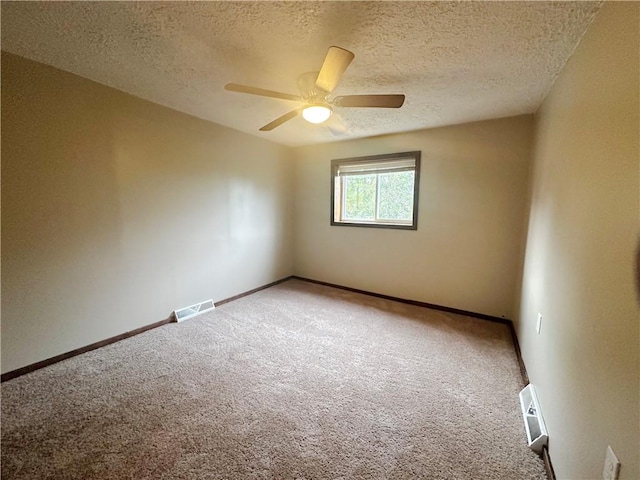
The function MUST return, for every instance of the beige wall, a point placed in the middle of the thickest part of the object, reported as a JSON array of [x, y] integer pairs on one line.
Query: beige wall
[[579, 268], [466, 251], [117, 210]]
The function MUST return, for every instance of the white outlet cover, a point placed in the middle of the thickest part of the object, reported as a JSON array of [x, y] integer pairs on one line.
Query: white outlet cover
[[611, 466], [539, 324]]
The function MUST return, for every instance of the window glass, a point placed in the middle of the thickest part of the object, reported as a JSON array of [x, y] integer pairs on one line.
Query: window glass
[[395, 197], [359, 197]]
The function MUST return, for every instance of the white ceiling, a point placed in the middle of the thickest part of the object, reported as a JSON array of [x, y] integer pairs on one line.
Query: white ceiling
[[455, 61]]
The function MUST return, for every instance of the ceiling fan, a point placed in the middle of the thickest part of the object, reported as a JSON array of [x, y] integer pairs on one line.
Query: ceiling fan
[[315, 88]]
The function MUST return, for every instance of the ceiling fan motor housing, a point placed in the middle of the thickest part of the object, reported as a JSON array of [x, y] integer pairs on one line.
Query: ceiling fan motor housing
[[307, 87]]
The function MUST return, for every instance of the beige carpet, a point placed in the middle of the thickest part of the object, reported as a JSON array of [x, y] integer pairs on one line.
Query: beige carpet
[[296, 381]]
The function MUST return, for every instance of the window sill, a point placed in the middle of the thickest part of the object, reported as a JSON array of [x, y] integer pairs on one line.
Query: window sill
[[396, 226]]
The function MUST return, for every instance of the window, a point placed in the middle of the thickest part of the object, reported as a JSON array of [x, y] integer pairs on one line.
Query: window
[[377, 191]]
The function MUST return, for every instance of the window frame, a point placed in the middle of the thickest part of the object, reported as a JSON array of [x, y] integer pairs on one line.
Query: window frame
[[336, 163]]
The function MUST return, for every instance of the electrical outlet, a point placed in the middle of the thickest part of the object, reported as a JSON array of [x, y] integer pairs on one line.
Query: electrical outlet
[[611, 466], [539, 324]]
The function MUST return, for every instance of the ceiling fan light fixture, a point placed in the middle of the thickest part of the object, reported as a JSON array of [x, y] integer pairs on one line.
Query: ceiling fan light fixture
[[316, 113]]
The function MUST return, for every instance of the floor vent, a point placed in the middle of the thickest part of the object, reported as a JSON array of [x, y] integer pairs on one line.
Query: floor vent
[[193, 310]]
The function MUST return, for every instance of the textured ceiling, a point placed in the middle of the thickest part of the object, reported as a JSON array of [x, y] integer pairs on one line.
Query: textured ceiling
[[455, 61]]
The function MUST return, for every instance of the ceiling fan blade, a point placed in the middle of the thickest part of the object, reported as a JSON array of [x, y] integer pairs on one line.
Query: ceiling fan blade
[[279, 121], [336, 125], [376, 101], [234, 87], [335, 63]]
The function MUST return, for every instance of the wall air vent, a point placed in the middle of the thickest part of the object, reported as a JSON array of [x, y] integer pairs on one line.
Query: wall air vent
[[537, 436], [193, 310]]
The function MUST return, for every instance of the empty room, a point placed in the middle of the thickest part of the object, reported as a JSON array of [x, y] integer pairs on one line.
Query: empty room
[[320, 240]]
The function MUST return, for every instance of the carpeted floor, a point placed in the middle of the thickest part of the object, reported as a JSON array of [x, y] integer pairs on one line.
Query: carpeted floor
[[296, 381]]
